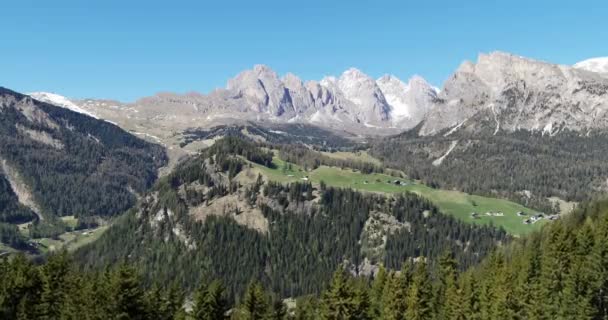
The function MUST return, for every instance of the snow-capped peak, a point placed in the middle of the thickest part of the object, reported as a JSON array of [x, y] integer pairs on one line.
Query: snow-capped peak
[[599, 65], [59, 101], [328, 81], [395, 92], [359, 87], [411, 100], [353, 73]]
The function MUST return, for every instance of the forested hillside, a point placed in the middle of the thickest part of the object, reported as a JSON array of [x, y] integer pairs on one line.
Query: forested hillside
[[286, 236], [276, 133], [56, 162], [558, 273], [525, 167]]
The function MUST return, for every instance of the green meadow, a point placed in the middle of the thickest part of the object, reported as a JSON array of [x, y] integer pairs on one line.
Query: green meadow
[[459, 204]]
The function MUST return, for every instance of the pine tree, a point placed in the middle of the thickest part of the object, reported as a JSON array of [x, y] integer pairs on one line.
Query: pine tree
[[56, 273], [255, 304], [446, 293], [279, 310], [306, 308], [210, 303], [470, 296], [598, 264], [556, 246], [420, 295], [377, 291], [578, 289], [171, 303], [362, 301], [394, 302], [128, 295], [338, 301]]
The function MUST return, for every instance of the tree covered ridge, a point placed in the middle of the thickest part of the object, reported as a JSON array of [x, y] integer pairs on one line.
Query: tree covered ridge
[[311, 229], [523, 166], [73, 164], [276, 134], [557, 273]]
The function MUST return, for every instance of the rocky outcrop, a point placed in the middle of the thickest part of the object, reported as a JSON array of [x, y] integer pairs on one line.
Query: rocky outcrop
[[507, 92]]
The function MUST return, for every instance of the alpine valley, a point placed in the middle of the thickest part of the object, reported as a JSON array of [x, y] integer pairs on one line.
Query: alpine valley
[[456, 200]]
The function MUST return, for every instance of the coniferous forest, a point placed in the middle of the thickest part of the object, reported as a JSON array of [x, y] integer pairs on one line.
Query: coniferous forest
[[216, 239], [309, 232], [558, 273], [523, 166], [67, 164]]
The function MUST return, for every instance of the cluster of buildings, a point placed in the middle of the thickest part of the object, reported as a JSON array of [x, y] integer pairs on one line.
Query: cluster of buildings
[[540, 216], [528, 220]]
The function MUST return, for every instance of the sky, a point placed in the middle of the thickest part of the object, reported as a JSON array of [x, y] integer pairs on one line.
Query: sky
[[126, 50]]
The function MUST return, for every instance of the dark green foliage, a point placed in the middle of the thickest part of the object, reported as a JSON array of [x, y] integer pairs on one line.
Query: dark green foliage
[[50, 227], [55, 291], [93, 171], [209, 302], [566, 165], [233, 146], [310, 232], [311, 159], [10, 235], [11, 211], [303, 134], [129, 295], [558, 273], [255, 304]]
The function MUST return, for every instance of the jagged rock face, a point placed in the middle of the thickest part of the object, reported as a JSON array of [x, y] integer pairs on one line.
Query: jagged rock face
[[499, 92], [409, 102], [367, 100], [354, 102], [509, 93], [263, 90], [301, 98]]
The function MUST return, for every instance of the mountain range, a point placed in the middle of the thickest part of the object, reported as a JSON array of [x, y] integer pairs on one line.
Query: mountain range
[[501, 91], [353, 102], [55, 162]]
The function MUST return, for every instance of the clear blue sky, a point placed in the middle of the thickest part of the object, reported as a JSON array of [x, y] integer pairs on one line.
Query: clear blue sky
[[129, 49]]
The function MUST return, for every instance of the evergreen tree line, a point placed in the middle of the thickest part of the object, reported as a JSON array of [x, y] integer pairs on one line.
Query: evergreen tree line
[[11, 211], [557, 273], [310, 232], [524, 167], [91, 168], [276, 134], [311, 159]]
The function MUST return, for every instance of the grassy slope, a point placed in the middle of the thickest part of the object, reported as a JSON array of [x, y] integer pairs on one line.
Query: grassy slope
[[456, 203], [71, 240], [358, 155]]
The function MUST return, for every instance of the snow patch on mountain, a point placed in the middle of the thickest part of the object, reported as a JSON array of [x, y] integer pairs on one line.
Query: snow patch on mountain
[[60, 101], [599, 65], [395, 92], [353, 101], [410, 101]]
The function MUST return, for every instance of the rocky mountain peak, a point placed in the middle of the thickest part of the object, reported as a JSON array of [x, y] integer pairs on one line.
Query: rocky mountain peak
[[292, 81], [263, 90], [262, 68], [509, 92], [369, 102], [409, 102], [353, 101], [59, 100]]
